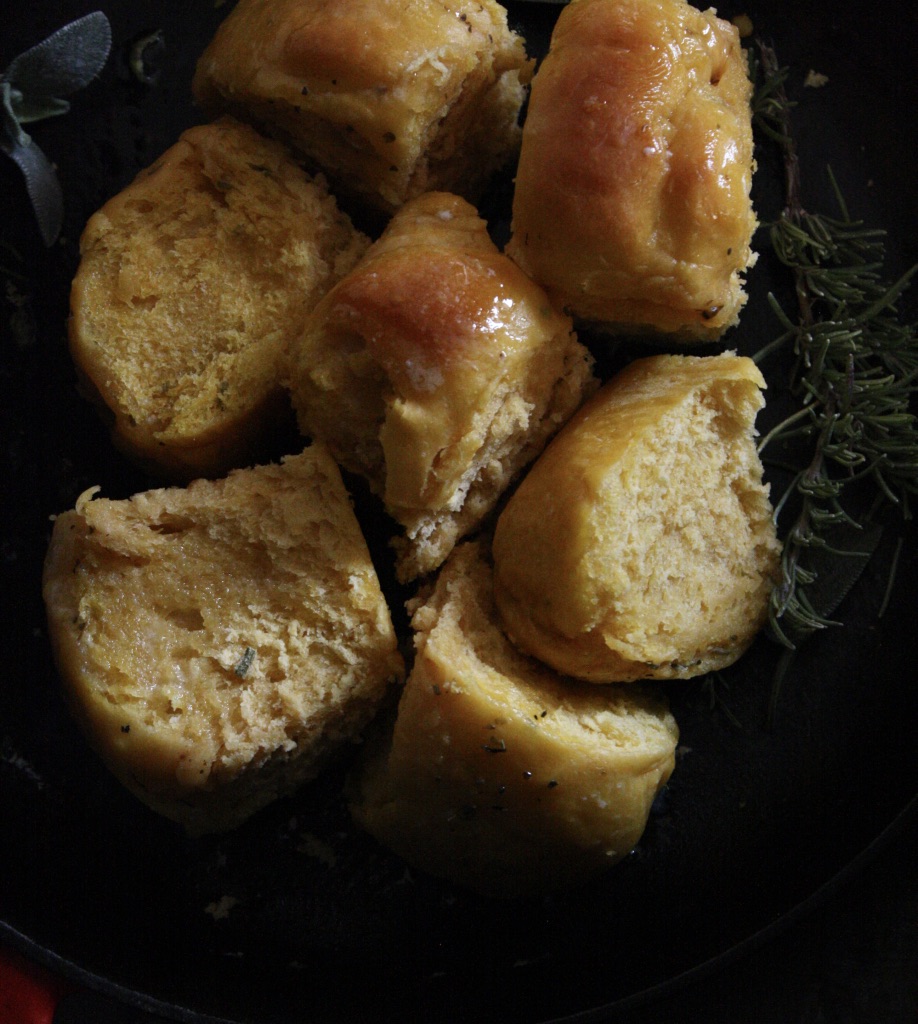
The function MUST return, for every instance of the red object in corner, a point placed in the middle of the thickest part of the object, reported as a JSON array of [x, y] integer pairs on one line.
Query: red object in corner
[[28, 993]]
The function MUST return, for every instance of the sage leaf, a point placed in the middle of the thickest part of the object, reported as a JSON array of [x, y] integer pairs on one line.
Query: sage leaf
[[68, 60], [32, 88], [35, 108], [11, 132], [42, 186]]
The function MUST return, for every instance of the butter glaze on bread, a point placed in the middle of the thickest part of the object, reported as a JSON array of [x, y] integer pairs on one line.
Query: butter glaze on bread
[[191, 283], [436, 370], [642, 543], [389, 98], [500, 774], [632, 203], [218, 643]]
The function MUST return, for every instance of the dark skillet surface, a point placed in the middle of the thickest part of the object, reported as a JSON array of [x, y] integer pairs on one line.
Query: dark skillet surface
[[326, 926]]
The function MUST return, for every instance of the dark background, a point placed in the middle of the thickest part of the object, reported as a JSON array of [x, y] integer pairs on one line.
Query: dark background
[[768, 830]]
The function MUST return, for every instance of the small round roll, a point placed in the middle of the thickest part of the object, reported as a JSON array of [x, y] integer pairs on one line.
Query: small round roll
[[437, 370], [642, 543], [632, 203], [192, 281], [388, 98], [218, 643], [501, 775]]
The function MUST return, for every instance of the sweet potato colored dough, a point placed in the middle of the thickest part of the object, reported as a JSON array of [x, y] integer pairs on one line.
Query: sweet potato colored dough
[[219, 642], [641, 544], [632, 203], [389, 98], [192, 282], [500, 774], [437, 370]]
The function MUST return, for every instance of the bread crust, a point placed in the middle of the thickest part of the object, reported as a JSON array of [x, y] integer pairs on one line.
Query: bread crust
[[389, 98], [632, 203], [192, 282], [642, 544], [218, 643], [499, 774], [437, 370]]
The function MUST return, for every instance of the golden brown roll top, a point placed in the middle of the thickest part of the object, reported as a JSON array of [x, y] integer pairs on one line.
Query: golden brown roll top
[[217, 643], [191, 284], [389, 98], [632, 198], [436, 369], [500, 774], [642, 543]]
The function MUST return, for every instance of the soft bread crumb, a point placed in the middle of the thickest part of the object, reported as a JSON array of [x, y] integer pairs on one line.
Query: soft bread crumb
[[642, 543], [192, 283], [219, 642]]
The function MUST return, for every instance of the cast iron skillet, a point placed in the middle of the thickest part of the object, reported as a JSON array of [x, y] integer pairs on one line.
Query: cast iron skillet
[[298, 916]]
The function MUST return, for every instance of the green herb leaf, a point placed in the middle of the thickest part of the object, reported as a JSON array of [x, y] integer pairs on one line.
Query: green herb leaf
[[145, 56], [32, 88], [68, 60], [853, 442], [11, 132], [243, 665], [43, 188]]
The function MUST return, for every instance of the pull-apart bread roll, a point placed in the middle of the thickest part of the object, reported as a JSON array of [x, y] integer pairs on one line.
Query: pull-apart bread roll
[[218, 643], [500, 774], [642, 543], [437, 370], [191, 283], [389, 98], [632, 198]]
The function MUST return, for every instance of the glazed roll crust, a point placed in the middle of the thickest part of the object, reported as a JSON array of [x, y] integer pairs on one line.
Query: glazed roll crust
[[632, 203], [436, 370], [389, 98], [500, 774]]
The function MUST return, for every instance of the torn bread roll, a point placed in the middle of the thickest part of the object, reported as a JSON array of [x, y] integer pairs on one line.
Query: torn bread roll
[[389, 98], [641, 544], [218, 643], [192, 282], [501, 775], [632, 202], [436, 370]]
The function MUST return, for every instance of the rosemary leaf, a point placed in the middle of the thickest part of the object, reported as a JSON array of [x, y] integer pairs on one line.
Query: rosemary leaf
[[854, 377]]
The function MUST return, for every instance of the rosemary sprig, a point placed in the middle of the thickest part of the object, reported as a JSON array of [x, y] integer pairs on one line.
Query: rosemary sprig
[[854, 374]]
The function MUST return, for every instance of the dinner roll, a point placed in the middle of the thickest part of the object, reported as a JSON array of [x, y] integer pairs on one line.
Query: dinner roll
[[191, 283], [642, 543], [436, 370], [501, 775], [218, 643], [632, 203], [389, 98]]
